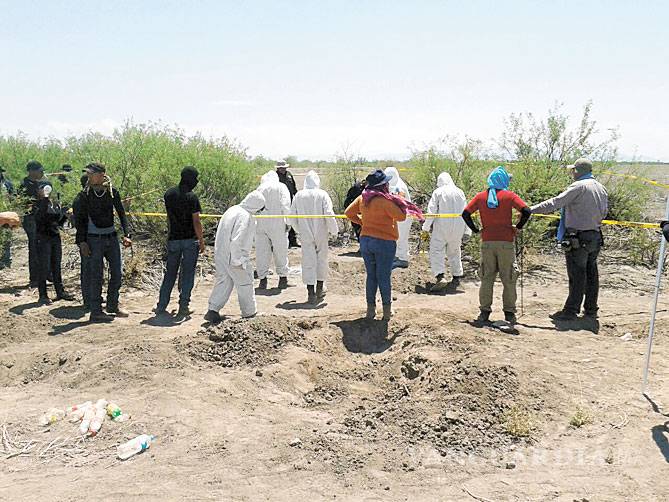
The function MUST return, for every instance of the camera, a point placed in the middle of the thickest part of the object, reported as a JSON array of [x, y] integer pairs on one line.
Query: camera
[[570, 242]]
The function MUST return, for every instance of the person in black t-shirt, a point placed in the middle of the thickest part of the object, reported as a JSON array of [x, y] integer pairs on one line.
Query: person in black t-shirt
[[97, 239], [184, 243], [49, 218]]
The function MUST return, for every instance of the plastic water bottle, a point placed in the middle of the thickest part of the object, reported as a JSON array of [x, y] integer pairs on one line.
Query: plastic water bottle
[[76, 413], [89, 415], [52, 416], [135, 446], [78, 407], [99, 418]]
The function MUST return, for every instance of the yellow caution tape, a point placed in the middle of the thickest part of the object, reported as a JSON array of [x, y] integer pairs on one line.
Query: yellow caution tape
[[634, 177], [634, 224]]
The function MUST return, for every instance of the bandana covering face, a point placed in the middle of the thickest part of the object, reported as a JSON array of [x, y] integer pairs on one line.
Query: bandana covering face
[[498, 180], [407, 208]]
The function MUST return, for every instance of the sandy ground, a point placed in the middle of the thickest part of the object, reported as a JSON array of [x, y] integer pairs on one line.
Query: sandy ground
[[317, 403]]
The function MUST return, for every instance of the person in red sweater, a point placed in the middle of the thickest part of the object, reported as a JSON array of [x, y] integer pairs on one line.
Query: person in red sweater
[[498, 254], [377, 212]]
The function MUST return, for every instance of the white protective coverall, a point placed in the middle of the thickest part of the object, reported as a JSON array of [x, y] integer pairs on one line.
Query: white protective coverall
[[232, 255], [313, 232], [272, 235], [447, 233], [397, 186]]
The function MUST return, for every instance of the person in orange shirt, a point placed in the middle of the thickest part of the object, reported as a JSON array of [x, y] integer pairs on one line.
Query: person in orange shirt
[[377, 212]]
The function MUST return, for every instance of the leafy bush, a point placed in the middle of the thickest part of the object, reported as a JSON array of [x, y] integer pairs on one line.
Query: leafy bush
[[143, 161]]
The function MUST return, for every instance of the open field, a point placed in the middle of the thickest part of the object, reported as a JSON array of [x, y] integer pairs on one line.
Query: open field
[[321, 404]]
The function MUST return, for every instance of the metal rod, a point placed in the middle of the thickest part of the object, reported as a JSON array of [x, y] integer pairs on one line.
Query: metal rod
[[658, 282]]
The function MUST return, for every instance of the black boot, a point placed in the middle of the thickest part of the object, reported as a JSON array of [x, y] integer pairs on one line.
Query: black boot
[[263, 283], [283, 282], [311, 295], [483, 318], [320, 290], [510, 317]]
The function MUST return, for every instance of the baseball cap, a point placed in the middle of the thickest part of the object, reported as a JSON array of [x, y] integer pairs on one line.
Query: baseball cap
[[95, 168], [581, 166]]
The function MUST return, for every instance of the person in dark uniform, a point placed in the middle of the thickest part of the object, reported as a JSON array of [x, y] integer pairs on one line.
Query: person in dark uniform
[[49, 218], [287, 179], [353, 193], [28, 189]]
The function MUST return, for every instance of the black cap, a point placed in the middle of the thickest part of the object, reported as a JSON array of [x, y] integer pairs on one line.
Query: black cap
[[67, 168], [95, 168], [34, 165]]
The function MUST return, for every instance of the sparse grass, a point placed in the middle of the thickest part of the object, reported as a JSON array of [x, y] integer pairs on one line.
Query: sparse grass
[[518, 422], [581, 417]]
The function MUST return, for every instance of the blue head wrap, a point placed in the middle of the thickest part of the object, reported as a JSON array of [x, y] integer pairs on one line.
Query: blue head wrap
[[497, 180]]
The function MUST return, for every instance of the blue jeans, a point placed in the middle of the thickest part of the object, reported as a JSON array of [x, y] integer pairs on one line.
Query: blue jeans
[[181, 259], [104, 247], [378, 255]]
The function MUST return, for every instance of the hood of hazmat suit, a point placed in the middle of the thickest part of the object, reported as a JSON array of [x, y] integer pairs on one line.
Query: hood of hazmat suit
[[236, 231], [447, 199], [396, 183]]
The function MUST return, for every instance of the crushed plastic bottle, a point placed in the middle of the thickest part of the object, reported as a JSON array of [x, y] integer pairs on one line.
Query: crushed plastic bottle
[[135, 446], [51, 416], [98, 418], [89, 415]]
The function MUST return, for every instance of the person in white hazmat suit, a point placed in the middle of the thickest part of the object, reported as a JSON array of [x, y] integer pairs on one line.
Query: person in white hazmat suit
[[398, 187], [272, 233], [313, 234], [447, 233], [232, 256]]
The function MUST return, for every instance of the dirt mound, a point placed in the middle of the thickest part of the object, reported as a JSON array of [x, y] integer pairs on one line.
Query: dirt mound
[[459, 408], [244, 342]]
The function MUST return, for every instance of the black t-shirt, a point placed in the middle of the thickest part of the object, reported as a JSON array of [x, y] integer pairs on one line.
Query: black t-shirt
[[181, 205]]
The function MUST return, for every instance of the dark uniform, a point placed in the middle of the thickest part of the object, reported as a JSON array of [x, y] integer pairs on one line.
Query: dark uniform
[[49, 218], [29, 188]]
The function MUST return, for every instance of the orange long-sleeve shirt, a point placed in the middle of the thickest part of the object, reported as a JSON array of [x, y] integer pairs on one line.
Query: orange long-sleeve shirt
[[378, 218]]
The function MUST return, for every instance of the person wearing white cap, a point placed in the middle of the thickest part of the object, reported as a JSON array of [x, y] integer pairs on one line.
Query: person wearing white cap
[[232, 256], [398, 187], [272, 233], [447, 233], [313, 234]]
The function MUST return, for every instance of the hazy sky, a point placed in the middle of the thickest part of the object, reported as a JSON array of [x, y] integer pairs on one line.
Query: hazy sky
[[308, 77]]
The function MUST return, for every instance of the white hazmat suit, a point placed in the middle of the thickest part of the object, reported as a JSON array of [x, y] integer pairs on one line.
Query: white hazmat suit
[[232, 254], [313, 232], [447, 233], [272, 234], [397, 186]]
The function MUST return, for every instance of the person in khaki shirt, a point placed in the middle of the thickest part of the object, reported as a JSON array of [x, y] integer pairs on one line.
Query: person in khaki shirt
[[583, 206]]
